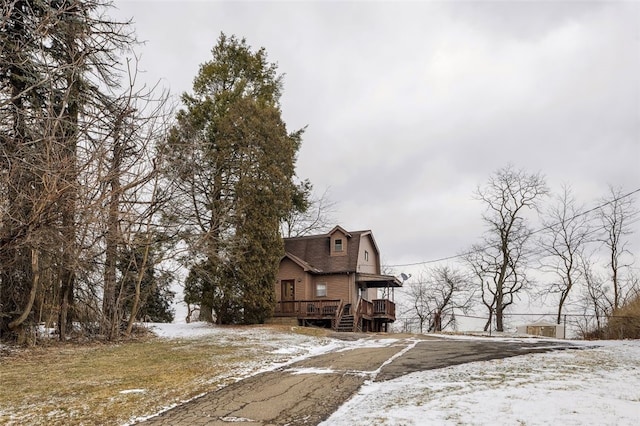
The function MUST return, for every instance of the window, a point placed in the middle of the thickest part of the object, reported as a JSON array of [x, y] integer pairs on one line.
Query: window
[[321, 290], [366, 256], [338, 245]]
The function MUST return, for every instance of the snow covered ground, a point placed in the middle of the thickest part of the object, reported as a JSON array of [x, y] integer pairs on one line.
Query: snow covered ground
[[276, 348], [599, 385], [594, 386]]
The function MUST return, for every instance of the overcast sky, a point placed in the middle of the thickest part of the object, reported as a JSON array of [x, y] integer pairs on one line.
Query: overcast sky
[[411, 105]]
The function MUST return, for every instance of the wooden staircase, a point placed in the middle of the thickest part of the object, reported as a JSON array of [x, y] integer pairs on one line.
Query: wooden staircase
[[346, 321]]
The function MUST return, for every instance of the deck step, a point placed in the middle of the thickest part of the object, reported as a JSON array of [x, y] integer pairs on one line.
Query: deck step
[[345, 324]]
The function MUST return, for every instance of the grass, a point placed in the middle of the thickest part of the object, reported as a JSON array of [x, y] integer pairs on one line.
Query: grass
[[68, 384]]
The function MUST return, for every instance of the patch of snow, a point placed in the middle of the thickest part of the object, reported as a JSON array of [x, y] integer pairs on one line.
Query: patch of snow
[[192, 330], [127, 391], [283, 351], [310, 370], [236, 420]]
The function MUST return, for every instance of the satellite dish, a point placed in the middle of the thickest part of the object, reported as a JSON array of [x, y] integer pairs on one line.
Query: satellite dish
[[405, 276]]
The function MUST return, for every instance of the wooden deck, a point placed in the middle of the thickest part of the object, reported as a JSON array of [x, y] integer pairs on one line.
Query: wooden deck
[[332, 309]]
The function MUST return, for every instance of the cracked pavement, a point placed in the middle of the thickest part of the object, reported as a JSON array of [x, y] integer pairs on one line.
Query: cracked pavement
[[307, 392]]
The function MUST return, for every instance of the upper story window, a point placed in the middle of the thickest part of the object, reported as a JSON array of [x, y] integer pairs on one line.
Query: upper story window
[[337, 245], [366, 256]]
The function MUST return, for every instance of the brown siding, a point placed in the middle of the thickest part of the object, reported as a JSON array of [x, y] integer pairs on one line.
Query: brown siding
[[339, 286], [370, 265], [289, 270], [370, 294]]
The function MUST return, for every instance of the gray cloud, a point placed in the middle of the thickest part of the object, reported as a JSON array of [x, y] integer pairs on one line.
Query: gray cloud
[[411, 105]]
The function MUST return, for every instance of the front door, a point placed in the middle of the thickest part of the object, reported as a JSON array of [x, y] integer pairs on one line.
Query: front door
[[288, 295]]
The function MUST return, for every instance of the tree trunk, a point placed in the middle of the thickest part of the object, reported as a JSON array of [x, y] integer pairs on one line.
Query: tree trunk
[[487, 325], [68, 199], [142, 269], [66, 300], [206, 311], [13, 325], [563, 298], [112, 239], [614, 276], [499, 312]]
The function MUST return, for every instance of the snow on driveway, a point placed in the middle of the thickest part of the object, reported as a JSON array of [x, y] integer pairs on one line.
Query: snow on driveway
[[594, 386]]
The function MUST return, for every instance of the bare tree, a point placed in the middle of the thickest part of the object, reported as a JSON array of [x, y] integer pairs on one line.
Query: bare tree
[[311, 213], [130, 192], [595, 300], [617, 216], [499, 263], [61, 110], [566, 234], [418, 293], [437, 294]]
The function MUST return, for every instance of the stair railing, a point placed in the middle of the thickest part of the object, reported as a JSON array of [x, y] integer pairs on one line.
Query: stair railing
[[338, 316], [356, 316]]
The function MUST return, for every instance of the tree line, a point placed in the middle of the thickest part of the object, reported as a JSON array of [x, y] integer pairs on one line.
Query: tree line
[[578, 261], [103, 184]]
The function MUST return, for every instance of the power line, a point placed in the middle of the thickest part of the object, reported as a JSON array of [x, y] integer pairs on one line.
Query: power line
[[577, 215]]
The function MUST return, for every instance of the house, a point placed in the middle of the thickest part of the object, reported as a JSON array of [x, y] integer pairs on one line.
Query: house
[[543, 328], [334, 280]]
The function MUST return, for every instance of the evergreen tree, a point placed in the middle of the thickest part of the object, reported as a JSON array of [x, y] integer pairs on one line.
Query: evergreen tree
[[155, 292], [232, 161]]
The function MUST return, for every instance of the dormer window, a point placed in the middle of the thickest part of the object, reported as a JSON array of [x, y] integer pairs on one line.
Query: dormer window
[[339, 242]]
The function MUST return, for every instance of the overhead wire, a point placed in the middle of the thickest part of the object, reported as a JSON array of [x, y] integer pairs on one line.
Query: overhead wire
[[544, 228]]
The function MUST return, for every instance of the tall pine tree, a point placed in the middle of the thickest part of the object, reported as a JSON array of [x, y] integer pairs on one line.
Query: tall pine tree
[[232, 163]]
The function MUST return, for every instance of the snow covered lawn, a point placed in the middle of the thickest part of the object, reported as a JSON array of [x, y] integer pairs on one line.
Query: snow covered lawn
[[598, 385], [593, 386], [112, 384]]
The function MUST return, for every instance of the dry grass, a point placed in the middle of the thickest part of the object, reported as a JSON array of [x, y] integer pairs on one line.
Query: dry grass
[[71, 384], [625, 322]]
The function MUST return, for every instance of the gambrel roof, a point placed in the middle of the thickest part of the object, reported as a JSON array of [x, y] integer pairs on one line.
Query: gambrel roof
[[315, 251]]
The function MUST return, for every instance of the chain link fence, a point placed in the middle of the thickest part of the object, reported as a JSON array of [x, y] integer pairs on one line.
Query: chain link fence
[[571, 326]]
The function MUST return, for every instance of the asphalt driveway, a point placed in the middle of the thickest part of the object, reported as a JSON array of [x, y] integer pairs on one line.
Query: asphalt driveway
[[307, 392]]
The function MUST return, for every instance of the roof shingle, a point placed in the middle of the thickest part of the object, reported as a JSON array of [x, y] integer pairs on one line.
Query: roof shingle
[[316, 251]]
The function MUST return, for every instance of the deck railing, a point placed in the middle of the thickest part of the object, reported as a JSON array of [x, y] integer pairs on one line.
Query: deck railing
[[366, 308], [329, 308], [307, 308], [384, 307]]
